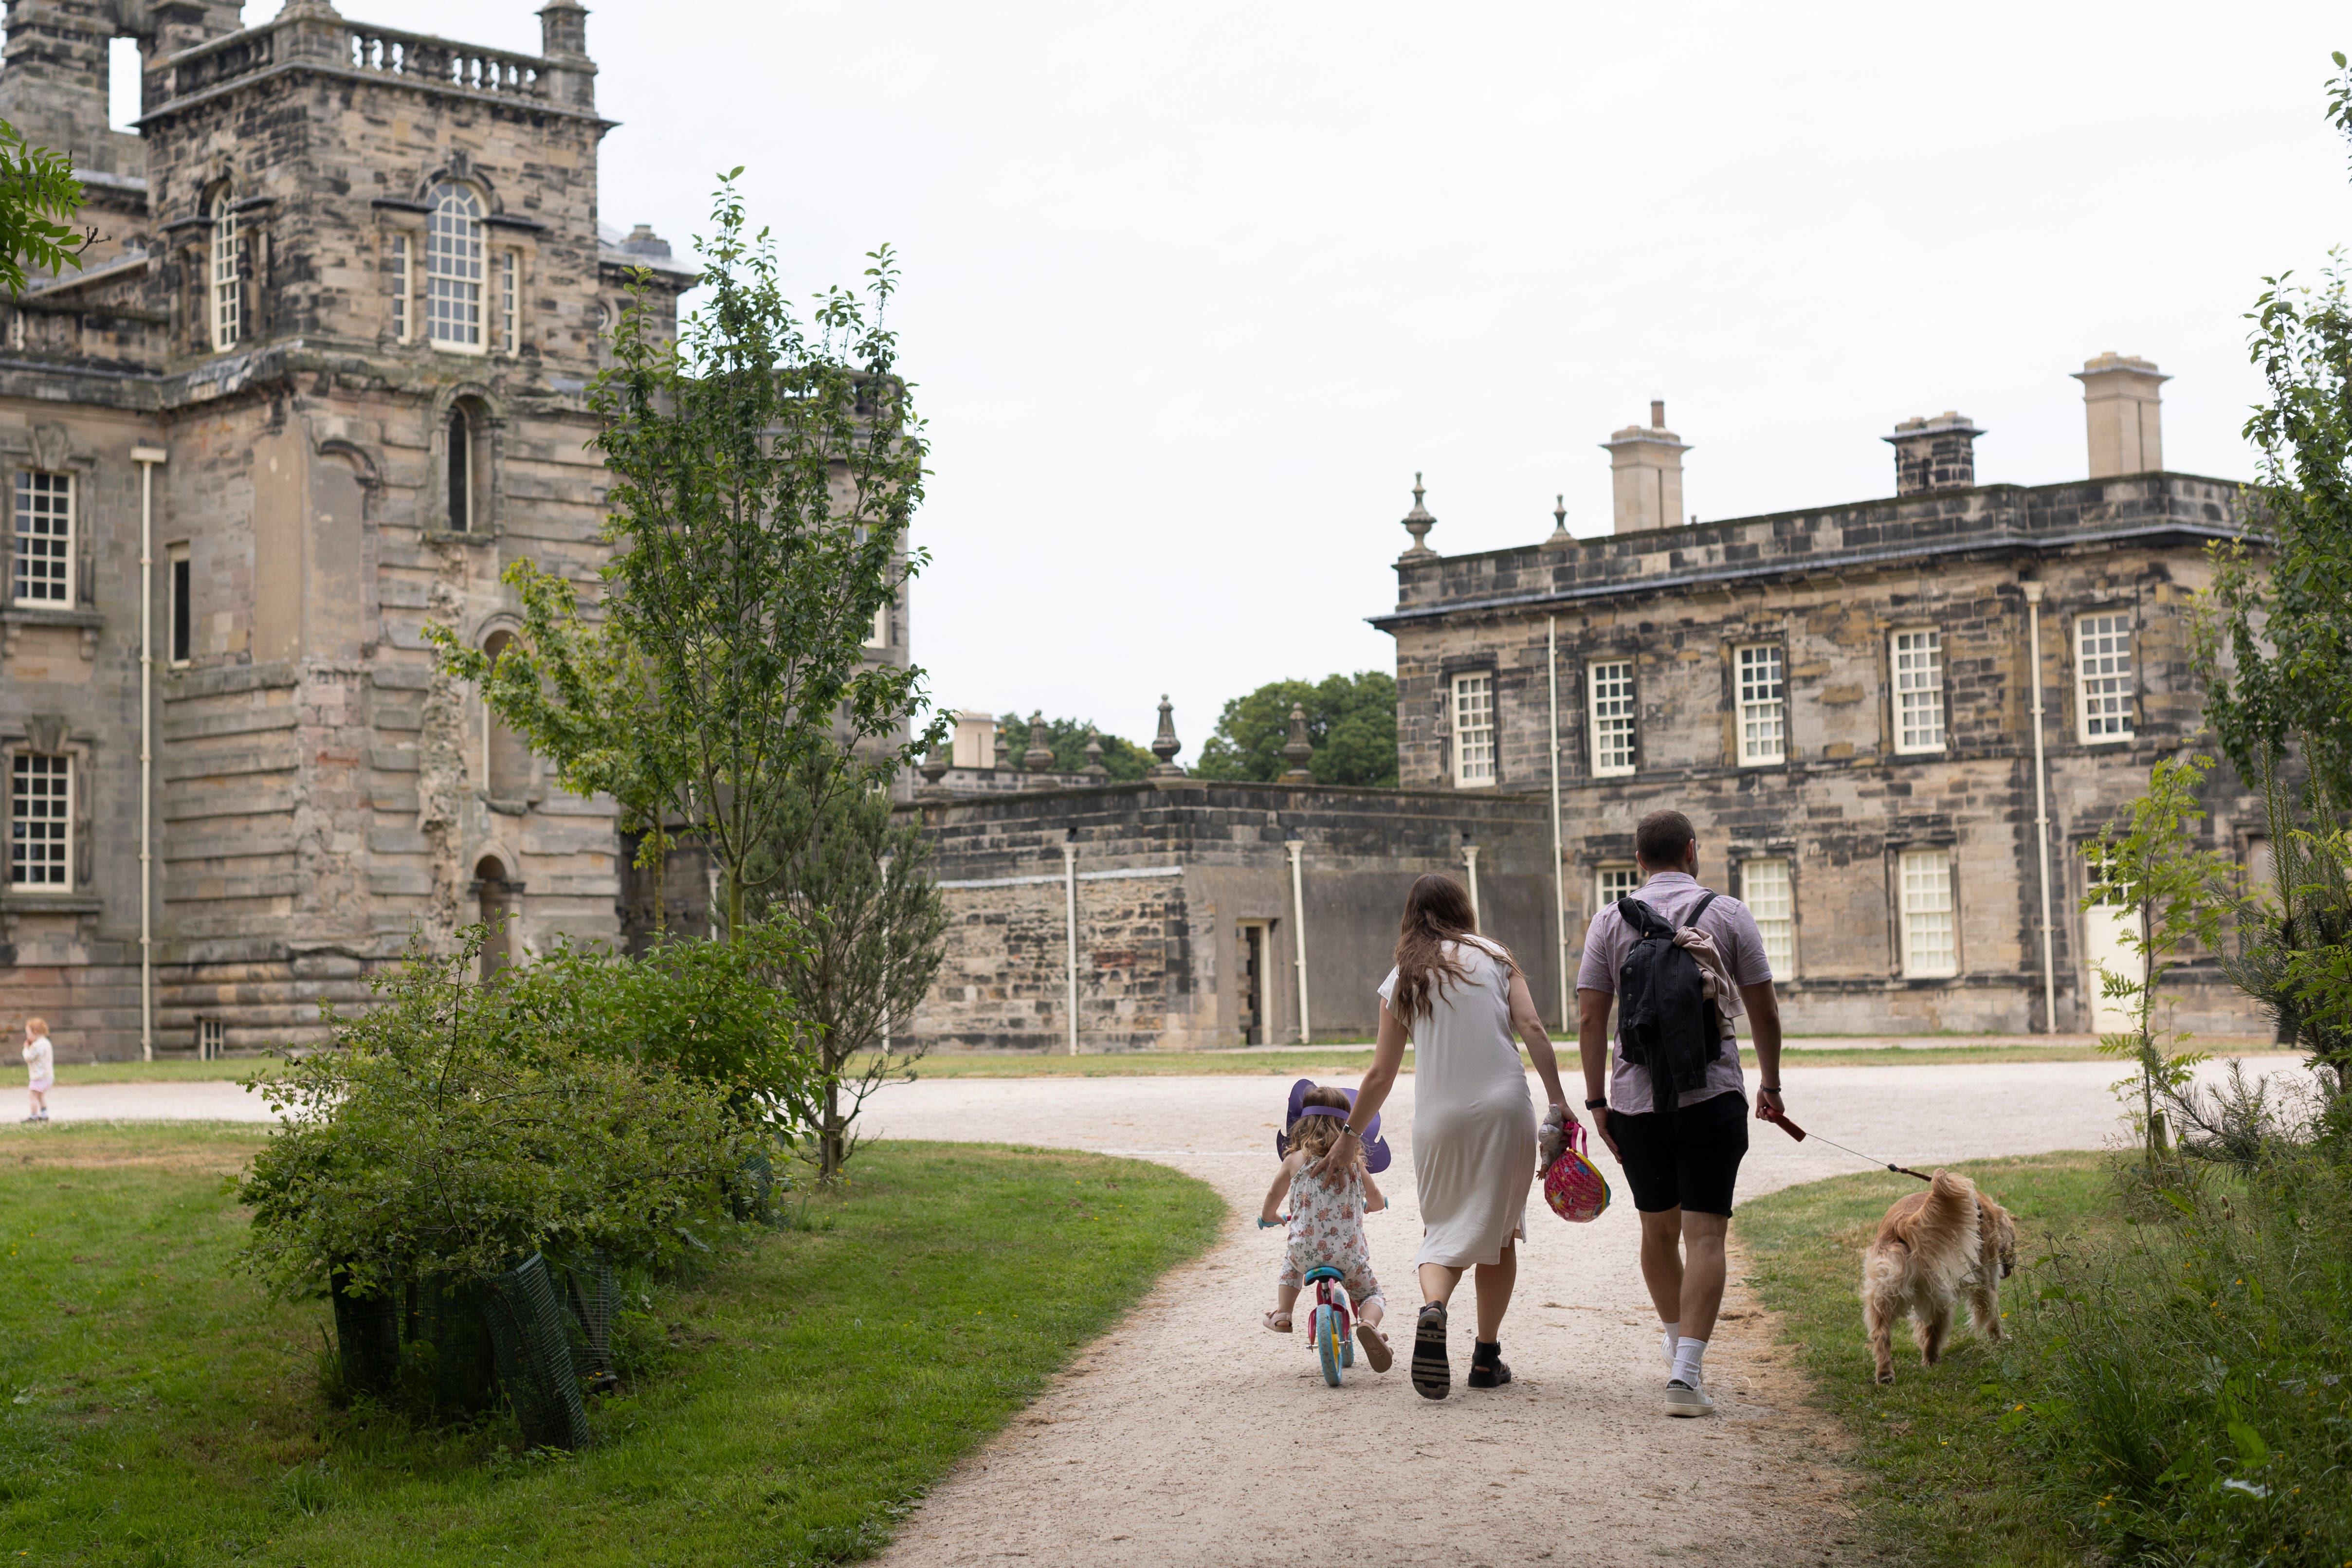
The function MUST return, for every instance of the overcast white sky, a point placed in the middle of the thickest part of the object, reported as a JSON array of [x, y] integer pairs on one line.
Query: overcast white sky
[[1191, 290]]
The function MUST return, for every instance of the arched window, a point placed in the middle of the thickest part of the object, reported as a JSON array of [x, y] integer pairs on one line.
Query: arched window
[[228, 289], [453, 269], [461, 472], [506, 758], [496, 908]]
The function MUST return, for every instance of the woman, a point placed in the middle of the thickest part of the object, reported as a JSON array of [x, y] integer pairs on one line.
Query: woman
[[1457, 996]]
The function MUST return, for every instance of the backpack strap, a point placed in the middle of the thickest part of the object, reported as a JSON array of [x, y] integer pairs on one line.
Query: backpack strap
[[1644, 920], [1701, 908]]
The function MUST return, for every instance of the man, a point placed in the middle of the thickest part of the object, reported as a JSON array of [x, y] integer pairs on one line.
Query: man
[[1681, 1160]]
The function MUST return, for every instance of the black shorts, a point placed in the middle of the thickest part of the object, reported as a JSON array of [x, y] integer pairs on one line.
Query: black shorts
[[1684, 1159]]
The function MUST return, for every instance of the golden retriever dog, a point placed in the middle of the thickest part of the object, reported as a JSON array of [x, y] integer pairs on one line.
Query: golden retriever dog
[[1932, 1247]]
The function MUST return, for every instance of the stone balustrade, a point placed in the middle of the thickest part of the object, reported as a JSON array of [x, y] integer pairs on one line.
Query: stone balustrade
[[467, 66], [417, 58]]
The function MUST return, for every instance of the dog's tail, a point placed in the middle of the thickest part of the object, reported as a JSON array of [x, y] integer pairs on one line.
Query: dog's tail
[[1944, 1238]]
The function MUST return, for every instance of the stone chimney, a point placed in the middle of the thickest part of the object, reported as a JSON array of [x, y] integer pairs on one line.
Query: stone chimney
[[1646, 469], [975, 740], [2120, 395], [1937, 454]]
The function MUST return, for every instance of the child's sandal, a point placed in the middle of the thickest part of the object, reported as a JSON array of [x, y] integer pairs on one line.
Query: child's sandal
[[1376, 1347], [1279, 1322]]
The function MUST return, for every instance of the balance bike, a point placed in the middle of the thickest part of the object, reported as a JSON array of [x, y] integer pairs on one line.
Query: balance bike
[[1331, 1323]]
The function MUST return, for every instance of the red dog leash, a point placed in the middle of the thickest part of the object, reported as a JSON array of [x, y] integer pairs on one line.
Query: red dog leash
[[1780, 1120]]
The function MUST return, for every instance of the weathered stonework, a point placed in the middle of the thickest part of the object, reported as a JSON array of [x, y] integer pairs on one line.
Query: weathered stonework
[[318, 791], [1172, 876], [1829, 589]]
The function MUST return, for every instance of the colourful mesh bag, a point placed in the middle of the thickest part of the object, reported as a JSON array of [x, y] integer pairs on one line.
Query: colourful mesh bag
[[1574, 1186]]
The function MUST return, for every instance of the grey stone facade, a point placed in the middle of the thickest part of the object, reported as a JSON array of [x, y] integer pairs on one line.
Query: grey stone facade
[[1863, 802], [274, 331]]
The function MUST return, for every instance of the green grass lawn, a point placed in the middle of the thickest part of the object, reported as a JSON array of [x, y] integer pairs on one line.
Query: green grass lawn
[[155, 1409], [1941, 1488]]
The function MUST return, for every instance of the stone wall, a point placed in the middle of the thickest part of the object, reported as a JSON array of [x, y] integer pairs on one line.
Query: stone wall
[[1168, 874]]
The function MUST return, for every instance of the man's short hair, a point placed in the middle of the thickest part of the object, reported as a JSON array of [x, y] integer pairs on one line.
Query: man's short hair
[[1662, 838]]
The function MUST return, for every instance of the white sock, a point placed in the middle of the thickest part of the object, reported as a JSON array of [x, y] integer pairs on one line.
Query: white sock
[[1673, 1334], [1687, 1354]]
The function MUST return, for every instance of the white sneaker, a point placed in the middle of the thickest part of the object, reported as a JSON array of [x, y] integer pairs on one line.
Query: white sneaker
[[1682, 1399]]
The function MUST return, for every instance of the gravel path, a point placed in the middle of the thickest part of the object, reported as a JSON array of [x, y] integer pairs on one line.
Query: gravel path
[[1189, 1437]]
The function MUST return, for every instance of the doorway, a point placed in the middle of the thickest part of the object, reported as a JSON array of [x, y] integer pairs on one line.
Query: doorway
[[2105, 926], [1250, 981]]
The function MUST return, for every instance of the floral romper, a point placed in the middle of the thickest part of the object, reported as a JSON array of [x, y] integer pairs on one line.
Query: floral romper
[[1327, 1226]]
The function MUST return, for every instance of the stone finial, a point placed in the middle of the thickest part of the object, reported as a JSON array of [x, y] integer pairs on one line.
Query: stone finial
[[1560, 534], [312, 10], [1418, 522], [1165, 746], [1095, 771], [934, 768], [1299, 750], [1039, 757]]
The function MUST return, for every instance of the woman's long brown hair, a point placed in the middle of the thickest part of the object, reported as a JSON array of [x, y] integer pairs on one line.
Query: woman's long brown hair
[[1436, 912]]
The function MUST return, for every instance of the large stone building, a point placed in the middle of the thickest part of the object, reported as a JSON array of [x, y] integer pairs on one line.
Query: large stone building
[[320, 380], [1895, 724]]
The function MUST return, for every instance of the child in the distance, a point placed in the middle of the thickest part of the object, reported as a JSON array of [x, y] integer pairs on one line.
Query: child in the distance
[[1327, 1220]]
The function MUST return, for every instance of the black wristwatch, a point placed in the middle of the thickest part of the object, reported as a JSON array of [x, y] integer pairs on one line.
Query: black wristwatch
[[1596, 1104]]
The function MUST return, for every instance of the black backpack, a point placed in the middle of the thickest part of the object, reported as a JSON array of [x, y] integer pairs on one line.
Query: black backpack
[[1664, 1020]]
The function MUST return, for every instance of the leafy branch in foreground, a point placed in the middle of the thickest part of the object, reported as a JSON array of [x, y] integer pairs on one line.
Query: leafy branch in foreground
[[40, 199]]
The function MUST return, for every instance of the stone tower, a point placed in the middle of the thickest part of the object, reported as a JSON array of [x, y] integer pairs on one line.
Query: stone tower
[[321, 381]]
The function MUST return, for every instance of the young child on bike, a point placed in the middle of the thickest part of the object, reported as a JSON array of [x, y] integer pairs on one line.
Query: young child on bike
[[1327, 1220]]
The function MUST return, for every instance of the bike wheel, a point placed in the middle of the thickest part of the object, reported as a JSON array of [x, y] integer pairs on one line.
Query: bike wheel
[[1326, 1344]]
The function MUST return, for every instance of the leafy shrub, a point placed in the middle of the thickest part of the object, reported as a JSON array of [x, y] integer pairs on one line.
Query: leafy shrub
[[2195, 1384], [717, 1013], [460, 1127]]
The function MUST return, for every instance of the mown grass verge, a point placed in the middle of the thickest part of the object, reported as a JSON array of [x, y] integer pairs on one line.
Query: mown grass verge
[[155, 1409], [2154, 1402]]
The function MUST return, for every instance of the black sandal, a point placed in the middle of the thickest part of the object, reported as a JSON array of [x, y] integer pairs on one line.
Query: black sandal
[[1432, 1376], [1487, 1368]]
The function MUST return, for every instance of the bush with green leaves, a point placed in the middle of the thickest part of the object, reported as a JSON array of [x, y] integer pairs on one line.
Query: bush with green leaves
[[721, 1014], [457, 1127]]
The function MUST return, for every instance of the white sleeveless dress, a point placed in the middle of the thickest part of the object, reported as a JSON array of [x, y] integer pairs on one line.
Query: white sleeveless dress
[[1474, 1121]]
